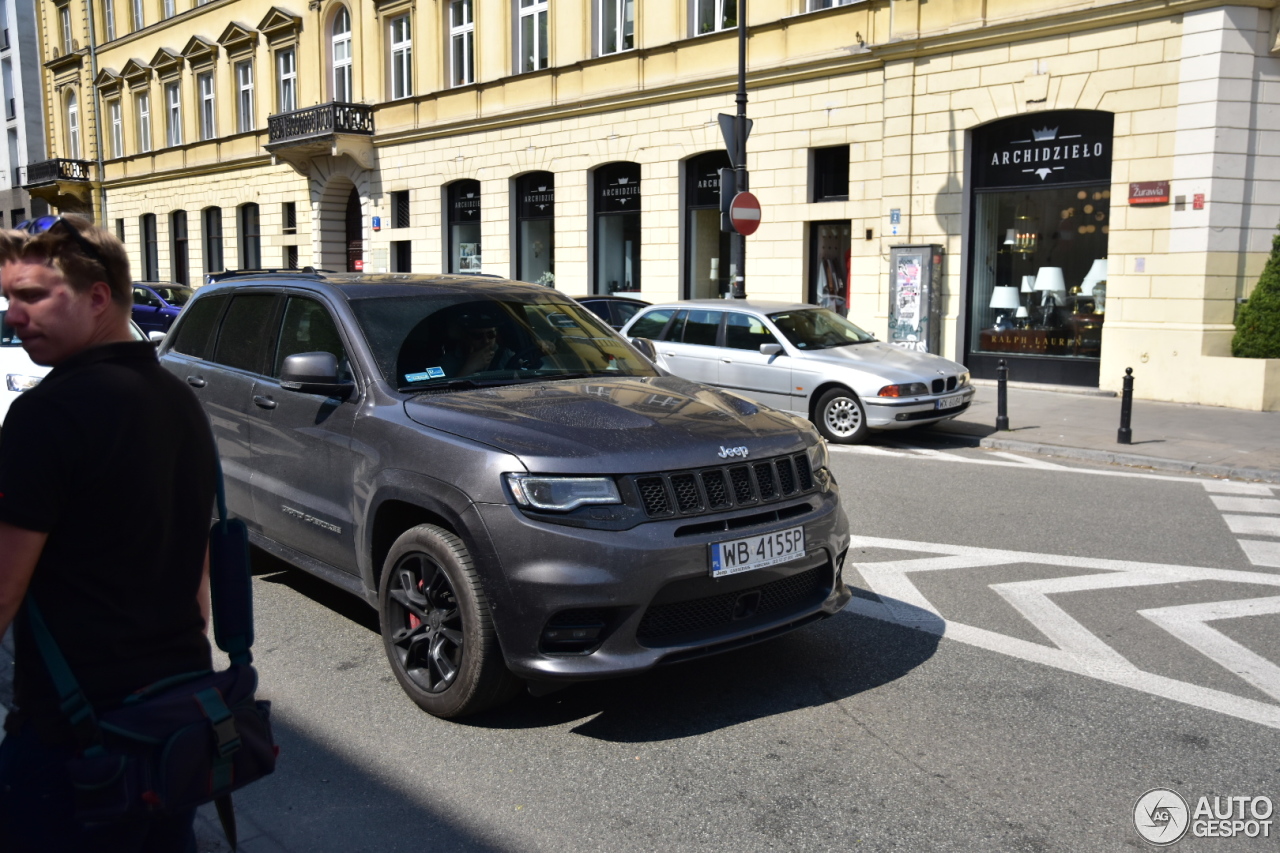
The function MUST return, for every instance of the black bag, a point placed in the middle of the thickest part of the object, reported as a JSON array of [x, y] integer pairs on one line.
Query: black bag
[[184, 741]]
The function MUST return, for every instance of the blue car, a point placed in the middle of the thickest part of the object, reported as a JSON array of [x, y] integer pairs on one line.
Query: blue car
[[157, 303]]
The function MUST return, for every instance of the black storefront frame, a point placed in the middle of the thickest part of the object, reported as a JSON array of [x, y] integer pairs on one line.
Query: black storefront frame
[[615, 192], [995, 168], [535, 201], [462, 207], [702, 196]]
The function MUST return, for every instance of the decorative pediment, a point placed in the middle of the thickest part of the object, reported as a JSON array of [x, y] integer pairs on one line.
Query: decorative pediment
[[166, 62], [200, 51], [280, 24], [108, 81], [136, 73], [238, 38]]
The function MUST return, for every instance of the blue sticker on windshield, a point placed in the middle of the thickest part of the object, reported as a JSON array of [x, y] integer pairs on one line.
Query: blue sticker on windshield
[[430, 373]]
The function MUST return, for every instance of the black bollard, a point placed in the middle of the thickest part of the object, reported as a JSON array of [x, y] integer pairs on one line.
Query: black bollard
[[1002, 396], [1125, 434]]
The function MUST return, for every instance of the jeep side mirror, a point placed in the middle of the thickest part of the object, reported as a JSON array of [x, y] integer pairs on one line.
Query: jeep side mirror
[[771, 349], [313, 373], [646, 347]]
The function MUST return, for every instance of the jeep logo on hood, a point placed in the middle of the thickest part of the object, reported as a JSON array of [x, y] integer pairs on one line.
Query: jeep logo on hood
[[729, 452]]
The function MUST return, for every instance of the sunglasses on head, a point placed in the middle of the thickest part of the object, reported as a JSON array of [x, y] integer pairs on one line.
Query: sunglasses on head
[[44, 224]]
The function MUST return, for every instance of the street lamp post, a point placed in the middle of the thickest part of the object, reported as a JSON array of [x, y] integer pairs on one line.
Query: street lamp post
[[738, 241]]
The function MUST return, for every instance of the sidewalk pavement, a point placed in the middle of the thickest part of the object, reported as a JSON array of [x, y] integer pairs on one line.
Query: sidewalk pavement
[[1083, 425]]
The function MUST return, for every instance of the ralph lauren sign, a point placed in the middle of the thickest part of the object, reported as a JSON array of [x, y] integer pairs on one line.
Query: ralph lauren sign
[[1043, 149]]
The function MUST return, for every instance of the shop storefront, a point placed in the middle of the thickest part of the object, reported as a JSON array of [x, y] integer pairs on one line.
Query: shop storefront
[[535, 228], [463, 215], [706, 246], [1041, 209], [616, 208]]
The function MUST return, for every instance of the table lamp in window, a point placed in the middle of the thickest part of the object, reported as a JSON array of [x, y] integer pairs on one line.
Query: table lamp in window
[[1005, 300], [1053, 289]]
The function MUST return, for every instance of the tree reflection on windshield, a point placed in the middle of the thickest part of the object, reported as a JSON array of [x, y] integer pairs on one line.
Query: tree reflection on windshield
[[819, 328]]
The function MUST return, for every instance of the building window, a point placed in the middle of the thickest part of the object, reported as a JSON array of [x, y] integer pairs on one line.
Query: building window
[[713, 15], [173, 114], [16, 215], [117, 128], [462, 31], [64, 26], [250, 237], [170, 9], [342, 56], [829, 173], [617, 25], [120, 230], [244, 104], [211, 225], [109, 16], [401, 58], [150, 248], [179, 262], [535, 228], [400, 209], [1040, 218], [463, 254], [533, 35], [402, 256], [287, 79], [208, 115], [815, 5], [706, 248], [73, 126], [617, 228], [138, 21], [291, 257], [143, 103], [289, 217], [830, 253]]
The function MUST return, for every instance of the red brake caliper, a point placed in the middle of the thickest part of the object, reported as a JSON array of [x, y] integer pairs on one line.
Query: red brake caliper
[[414, 621]]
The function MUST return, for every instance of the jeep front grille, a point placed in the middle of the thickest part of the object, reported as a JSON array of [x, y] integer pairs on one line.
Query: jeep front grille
[[670, 494]]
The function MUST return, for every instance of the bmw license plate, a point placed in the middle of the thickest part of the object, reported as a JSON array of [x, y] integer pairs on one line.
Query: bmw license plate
[[951, 402], [756, 552]]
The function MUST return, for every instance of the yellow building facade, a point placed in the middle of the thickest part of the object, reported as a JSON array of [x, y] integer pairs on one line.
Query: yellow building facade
[[1073, 186]]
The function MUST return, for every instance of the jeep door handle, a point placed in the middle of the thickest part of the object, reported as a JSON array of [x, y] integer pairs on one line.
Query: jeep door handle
[[196, 381], [263, 402]]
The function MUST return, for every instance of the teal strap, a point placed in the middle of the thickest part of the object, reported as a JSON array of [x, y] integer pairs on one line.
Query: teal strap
[[71, 699]]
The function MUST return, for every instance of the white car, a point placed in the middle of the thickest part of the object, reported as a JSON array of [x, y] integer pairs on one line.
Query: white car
[[17, 371], [806, 360]]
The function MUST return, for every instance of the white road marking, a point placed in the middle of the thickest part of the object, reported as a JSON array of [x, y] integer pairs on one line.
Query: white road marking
[[1076, 649], [1023, 463], [1187, 623], [1230, 504], [1231, 487], [1261, 552], [1253, 524], [1030, 461]]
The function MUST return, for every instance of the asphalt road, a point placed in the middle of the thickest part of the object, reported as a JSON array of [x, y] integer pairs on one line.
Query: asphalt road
[[993, 687]]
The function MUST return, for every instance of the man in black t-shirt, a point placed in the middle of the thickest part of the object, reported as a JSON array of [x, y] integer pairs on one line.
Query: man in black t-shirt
[[106, 491]]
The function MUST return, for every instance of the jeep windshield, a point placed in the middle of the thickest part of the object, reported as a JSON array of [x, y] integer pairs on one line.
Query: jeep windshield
[[819, 328], [457, 342]]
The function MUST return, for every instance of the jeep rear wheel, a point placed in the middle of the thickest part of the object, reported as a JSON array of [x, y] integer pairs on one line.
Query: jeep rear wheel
[[437, 628]]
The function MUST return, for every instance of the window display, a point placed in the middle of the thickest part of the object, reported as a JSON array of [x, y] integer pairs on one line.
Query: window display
[[830, 248], [707, 250], [617, 214], [535, 231], [464, 228]]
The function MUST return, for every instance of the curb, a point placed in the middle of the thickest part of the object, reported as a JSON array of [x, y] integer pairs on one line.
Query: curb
[[1132, 459]]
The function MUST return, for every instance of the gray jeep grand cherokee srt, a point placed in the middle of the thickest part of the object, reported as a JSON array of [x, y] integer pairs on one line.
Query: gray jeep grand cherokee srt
[[521, 494]]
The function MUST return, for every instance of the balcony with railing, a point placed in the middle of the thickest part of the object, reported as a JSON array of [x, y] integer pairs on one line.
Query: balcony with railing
[[63, 183], [334, 129]]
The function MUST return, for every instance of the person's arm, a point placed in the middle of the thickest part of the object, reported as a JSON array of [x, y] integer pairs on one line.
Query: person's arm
[[202, 596], [19, 551]]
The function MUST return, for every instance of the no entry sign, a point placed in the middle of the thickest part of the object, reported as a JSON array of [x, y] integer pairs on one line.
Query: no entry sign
[[744, 213]]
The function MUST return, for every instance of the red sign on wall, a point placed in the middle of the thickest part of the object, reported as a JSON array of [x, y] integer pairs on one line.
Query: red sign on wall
[[1149, 192]]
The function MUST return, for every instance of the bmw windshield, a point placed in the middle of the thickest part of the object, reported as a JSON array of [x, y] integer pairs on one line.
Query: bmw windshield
[[818, 328], [456, 341]]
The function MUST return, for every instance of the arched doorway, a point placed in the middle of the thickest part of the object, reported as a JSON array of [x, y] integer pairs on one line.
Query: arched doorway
[[354, 234]]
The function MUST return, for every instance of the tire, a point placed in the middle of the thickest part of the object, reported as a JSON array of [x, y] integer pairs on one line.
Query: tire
[[840, 417], [436, 626]]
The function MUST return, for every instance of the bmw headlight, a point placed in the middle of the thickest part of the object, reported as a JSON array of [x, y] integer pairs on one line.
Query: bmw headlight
[[964, 379], [908, 389], [21, 382], [561, 494]]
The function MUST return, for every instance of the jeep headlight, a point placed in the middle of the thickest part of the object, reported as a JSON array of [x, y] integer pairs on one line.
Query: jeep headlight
[[819, 456], [561, 494], [21, 382]]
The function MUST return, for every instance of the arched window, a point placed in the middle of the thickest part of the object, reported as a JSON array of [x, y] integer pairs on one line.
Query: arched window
[[73, 126], [617, 214], [211, 226], [342, 56], [250, 237], [706, 248], [179, 260]]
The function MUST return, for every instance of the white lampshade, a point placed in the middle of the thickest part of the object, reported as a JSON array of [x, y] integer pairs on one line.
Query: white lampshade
[[1021, 312], [1028, 283], [1011, 236], [1004, 298], [1050, 278], [1097, 272]]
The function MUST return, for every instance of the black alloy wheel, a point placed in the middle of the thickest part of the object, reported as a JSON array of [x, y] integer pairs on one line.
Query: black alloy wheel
[[436, 626]]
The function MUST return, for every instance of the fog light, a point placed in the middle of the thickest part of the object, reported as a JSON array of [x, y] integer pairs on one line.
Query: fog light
[[901, 416], [574, 632]]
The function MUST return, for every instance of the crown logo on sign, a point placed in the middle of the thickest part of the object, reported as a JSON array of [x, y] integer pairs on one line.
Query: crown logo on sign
[[1044, 134]]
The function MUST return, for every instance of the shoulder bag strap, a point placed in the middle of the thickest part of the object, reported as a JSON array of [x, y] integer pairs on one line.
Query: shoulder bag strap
[[72, 702], [230, 587]]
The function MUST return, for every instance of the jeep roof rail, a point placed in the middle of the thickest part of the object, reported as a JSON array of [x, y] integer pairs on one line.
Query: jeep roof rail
[[210, 278]]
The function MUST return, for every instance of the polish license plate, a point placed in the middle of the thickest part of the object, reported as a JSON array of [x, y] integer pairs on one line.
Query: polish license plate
[[951, 402], [756, 552]]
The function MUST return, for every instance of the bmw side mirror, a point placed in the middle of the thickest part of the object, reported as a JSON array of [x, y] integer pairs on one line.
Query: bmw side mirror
[[646, 347], [771, 349], [156, 338], [313, 373]]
